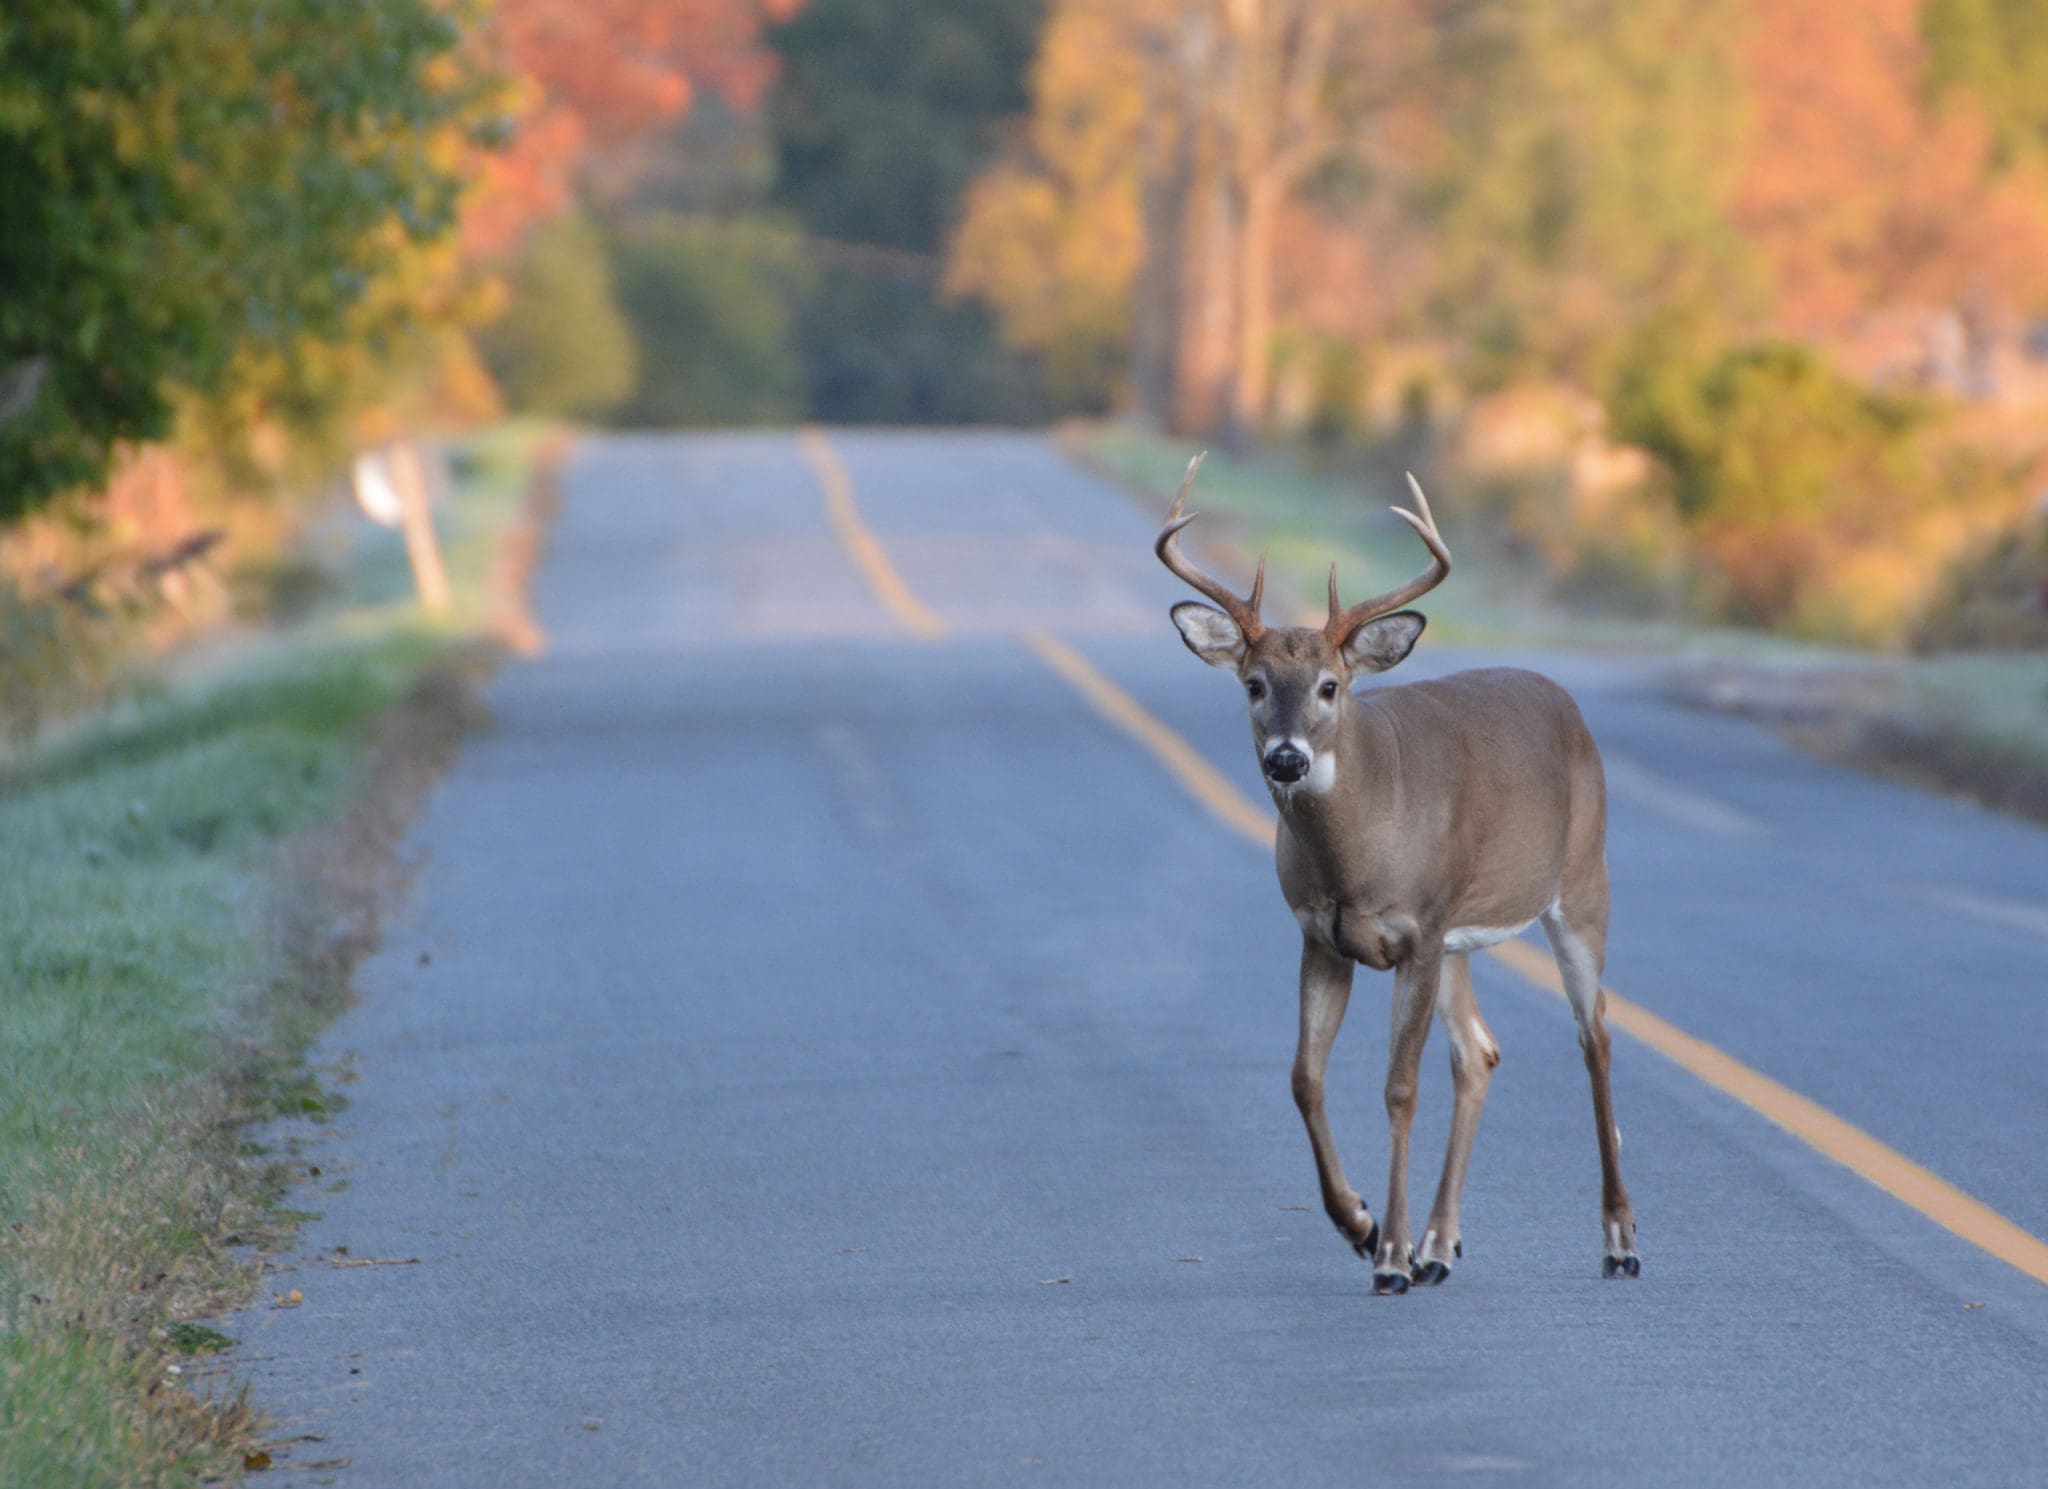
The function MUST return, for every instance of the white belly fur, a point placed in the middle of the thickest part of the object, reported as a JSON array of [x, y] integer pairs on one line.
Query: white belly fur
[[1316, 924], [1475, 937]]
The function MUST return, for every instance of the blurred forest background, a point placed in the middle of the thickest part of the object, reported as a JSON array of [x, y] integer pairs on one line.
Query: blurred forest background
[[1727, 310]]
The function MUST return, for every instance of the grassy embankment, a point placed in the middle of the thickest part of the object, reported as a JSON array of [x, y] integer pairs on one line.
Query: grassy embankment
[[1971, 723], [184, 885]]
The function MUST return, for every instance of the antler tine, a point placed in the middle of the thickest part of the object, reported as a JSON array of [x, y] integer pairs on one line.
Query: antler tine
[[1244, 611], [1187, 483], [1343, 622]]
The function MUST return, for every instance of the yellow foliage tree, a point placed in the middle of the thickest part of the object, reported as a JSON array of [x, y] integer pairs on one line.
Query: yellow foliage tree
[[1049, 236]]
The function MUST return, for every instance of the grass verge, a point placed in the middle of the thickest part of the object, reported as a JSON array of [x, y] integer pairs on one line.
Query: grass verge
[[184, 888], [1969, 724], [1304, 520]]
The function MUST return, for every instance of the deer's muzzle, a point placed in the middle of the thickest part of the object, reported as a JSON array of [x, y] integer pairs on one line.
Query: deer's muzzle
[[1286, 762]]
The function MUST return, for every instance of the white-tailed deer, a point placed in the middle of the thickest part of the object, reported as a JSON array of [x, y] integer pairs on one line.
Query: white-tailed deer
[[1417, 825]]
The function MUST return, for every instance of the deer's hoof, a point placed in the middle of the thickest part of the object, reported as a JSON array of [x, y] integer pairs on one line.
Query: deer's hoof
[[1387, 1284], [1427, 1264], [1621, 1266], [1370, 1246]]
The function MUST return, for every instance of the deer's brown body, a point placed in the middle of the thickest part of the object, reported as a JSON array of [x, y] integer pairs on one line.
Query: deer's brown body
[[1417, 825]]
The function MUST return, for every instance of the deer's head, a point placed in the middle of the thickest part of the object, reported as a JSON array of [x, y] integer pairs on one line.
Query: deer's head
[[1297, 678]]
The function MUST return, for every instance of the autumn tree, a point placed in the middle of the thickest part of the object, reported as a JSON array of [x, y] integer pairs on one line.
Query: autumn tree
[[1167, 139], [593, 73], [197, 186], [1887, 178], [1579, 185], [1290, 84], [1246, 101], [1050, 235]]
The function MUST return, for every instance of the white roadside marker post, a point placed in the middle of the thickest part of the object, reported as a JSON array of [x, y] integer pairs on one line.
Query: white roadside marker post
[[391, 486]]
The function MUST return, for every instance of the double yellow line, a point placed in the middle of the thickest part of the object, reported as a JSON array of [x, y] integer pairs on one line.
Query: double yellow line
[[1814, 1125]]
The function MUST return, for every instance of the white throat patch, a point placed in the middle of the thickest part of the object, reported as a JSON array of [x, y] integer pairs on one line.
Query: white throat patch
[[1322, 774]]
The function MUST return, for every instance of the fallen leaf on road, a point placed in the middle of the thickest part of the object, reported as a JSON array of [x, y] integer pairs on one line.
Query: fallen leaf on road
[[291, 1299], [1190, 1258], [1973, 1305], [1053, 1281], [1303, 1209], [850, 1251], [256, 1462]]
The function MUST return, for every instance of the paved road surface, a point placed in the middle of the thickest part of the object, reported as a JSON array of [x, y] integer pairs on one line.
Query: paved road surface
[[845, 1058]]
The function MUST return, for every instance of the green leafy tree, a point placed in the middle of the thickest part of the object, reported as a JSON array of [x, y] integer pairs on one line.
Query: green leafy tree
[[1997, 50], [563, 346], [880, 347], [711, 305], [1780, 463], [195, 187], [883, 113], [885, 110]]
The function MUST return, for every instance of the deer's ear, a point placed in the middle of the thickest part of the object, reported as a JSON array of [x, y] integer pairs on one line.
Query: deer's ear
[[1210, 634], [1379, 644]]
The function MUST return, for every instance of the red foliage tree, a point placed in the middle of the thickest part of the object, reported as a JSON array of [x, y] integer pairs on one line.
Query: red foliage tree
[[596, 71], [1862, 190]]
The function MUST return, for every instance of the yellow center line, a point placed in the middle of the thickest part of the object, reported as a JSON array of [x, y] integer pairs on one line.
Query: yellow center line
[[861, 545], [1810, 1122], [1183, 762], [1820, 1129]]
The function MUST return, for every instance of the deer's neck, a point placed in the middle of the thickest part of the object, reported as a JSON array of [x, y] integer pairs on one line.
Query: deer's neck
[[1333, 826]]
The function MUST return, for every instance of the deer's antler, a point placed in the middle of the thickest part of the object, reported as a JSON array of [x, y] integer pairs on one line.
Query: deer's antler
[[1344, 621], [1245, 612]]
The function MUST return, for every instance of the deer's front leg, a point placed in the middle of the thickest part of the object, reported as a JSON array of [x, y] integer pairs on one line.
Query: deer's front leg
[[1325, 993], [1415, 986]]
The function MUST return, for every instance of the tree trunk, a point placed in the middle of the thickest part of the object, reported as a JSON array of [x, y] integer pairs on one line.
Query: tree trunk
[[1250, 387], [1208, 305], [1166, 173], [1207, 233]]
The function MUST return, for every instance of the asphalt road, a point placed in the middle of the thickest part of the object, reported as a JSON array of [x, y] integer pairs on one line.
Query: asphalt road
[[815, 1054]]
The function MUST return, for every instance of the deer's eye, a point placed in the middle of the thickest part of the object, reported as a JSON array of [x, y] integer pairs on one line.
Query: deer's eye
[[1328, 690], [1255, 690]]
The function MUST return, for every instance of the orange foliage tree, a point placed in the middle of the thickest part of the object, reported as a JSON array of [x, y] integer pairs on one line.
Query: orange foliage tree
[[596, 71], [1864, 189]]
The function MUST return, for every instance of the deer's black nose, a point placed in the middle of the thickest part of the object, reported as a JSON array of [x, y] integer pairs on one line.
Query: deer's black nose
[[1286, 764]]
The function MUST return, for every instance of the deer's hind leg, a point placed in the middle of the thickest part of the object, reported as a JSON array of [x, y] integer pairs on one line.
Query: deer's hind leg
[[1577, 929], [1473, 1056]]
